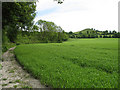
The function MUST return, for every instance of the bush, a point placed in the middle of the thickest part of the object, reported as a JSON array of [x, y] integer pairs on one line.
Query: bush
[[109, 36], [65, 37], [17, 43], [96, 36], [4, 49], [92, 36], [100, 36], [59, 41], [72, 36], [78, 36], [105, 36]]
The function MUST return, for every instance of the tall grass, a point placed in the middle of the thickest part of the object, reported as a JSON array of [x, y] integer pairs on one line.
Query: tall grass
[[77, 63]]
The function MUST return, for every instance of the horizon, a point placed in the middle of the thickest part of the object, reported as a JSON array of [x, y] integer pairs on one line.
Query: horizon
[[78, 15]]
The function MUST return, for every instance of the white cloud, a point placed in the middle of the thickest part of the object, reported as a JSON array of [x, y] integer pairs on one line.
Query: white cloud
[[75, 15], [44, 4]]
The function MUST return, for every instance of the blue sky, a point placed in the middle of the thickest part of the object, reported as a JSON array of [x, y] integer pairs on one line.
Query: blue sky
[[76, 15], [45, 12]]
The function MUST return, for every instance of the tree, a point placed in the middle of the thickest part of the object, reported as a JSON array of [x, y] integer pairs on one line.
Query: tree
[[78, 36], [65, 36], [96, 36], [51, 32], [92, 36], [87, 32], [17, 14], [106, 32], [116, 35], [113, 32], [109, 36], [83, 36], [110, 32], [59, 1], [12, 33], [70, 32], [80, 32], [100, 36], [89, 36], [35, 28], [72, 36], [105, 36]]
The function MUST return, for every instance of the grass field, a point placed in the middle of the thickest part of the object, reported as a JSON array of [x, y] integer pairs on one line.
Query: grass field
[[77, 63]]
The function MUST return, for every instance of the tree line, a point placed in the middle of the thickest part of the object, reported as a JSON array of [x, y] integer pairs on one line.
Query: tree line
[[18, 18], [92, 33], [43, 31], [18, 25]]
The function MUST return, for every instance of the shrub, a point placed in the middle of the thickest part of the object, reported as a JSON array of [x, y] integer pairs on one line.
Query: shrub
[[17, 43], [59, 41], [109, 36], [100, 36], [4, 49]]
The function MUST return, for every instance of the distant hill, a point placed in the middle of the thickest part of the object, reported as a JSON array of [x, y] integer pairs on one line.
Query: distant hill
[[92, 33], [89, 31]]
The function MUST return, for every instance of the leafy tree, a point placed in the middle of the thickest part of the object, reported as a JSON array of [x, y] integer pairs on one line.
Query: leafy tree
[[72, 36], [110, 32], [65, 36], [87, 32], [89, 36], [105, 36], [35, 28], [116, 35], [93, 32], [83, 36], [80, 32], [70, 32], [59, 1], [17, 14], [106, 32], [92, 36], [96, 36], [100, 36], [109, 36], [12, 33], [113, 32], [78, 36], [51, 32]]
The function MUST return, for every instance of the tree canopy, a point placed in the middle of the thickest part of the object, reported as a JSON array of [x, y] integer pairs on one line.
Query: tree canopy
[[59, 1], [17, 14]]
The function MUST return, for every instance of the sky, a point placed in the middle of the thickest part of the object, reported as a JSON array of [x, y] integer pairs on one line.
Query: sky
[[76, 15]]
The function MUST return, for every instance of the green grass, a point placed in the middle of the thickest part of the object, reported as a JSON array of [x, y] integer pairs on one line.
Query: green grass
[[77, 63]]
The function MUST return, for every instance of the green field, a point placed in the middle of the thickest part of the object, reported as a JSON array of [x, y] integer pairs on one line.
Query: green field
[[77, 63]]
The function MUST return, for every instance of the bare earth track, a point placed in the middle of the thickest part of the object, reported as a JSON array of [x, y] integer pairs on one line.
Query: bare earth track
[[13, 76]]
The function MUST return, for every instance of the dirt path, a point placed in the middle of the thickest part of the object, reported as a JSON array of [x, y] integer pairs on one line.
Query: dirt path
[[13, 76]]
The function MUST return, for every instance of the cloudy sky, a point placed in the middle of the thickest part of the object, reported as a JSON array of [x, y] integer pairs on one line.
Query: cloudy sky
[[76, 15]]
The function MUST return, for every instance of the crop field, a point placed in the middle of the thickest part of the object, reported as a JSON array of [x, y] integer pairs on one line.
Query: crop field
[[77, 63]]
